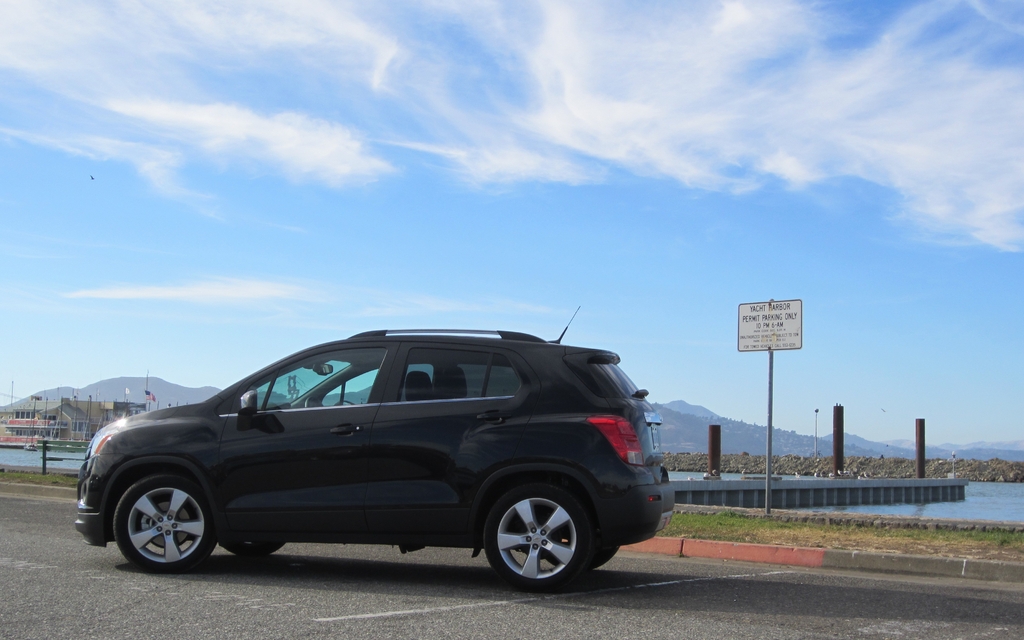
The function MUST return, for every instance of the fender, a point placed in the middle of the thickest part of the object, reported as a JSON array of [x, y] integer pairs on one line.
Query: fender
[[486, 485], [219, 521]]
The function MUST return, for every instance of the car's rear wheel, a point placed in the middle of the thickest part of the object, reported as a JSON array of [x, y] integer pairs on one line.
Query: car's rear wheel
[[163, 524], [602, 556], [538, 537], [252, 549]]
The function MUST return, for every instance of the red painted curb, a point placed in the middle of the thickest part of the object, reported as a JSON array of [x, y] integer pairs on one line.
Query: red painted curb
[[744, 552], [666, 546], [740, 551]]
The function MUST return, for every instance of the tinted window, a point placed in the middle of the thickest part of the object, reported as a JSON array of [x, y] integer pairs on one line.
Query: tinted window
[[613, 380], [502, 380], [448, 374], [601, 374], [329, 379]]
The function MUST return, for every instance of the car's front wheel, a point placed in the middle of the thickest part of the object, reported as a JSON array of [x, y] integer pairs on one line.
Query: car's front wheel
[[538, 537], [163, 524]]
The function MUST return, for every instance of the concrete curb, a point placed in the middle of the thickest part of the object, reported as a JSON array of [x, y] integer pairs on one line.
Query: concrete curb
[[38, 491], [744, 552], [991, 570]]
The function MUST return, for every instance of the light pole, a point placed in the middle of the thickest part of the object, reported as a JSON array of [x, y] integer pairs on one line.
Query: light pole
[[954, 464], [815, 434]]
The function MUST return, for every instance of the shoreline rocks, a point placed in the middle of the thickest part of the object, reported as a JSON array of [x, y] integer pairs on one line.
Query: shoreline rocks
[[994, 470]]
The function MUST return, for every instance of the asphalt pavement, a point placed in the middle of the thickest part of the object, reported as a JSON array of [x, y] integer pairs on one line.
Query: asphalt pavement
[[53, 585]]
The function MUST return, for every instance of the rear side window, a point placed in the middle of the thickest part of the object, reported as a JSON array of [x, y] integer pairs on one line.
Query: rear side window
[[449, 374]]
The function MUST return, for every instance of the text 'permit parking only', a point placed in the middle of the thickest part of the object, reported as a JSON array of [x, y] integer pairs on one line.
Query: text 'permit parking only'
[[775, 325]]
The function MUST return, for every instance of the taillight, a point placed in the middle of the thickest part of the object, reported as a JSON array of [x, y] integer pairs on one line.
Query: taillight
[[622, 437]]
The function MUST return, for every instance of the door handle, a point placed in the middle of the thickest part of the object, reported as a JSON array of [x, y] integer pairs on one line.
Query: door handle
[[495, 416], [346, 429]]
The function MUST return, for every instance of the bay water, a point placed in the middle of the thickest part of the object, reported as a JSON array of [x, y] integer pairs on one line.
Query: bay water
[[1003, 501]]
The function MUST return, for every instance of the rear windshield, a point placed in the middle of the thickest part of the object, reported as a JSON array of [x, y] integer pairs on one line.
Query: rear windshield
[[613, 381], [600, 373]]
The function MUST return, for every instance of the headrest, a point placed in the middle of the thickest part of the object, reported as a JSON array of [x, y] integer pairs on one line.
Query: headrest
[[418, 386]]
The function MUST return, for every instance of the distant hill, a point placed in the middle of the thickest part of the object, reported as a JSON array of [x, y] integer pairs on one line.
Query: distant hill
[[1015, 445], [973, 450], [683, 433], [687, 431], [113, 389], [684, 407]]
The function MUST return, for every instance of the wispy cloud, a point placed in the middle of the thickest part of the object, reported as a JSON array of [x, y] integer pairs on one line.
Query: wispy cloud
[[213, 291], [341, 301], [158, 165], [716, 94], [300, 146], [728, 95], [392, 303]]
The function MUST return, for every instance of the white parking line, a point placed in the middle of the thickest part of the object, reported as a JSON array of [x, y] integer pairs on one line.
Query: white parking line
[[557, 596]]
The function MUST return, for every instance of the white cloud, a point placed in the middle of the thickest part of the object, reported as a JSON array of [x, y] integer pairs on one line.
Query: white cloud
[[155, 163], [717, 94], [389, 303], [147, 69], [300, 146], [339, 301], [213, 291], [727, 94], [125, 48]]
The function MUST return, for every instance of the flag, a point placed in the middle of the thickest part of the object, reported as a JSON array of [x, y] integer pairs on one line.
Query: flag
[[150, 396], [126, 391]]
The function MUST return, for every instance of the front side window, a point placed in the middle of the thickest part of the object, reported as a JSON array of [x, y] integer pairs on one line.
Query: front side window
[[331, 379], [449, 374]]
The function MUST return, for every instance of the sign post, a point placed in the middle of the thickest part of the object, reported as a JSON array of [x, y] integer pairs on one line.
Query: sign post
[[770, 326]]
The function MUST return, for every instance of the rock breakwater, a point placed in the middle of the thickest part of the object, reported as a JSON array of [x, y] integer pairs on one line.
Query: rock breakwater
[[994, 470]]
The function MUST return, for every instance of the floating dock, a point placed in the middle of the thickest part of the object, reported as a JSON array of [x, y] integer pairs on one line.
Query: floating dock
[[794, 493]]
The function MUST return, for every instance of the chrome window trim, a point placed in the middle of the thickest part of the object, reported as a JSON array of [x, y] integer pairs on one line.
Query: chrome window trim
[[377, 404], [404, 402], [346, 406]]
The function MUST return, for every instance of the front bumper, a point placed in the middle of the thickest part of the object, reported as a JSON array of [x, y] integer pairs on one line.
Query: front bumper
[[92, 483], [90, 525]]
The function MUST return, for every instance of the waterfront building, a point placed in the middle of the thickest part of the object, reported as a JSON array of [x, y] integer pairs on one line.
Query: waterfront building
[[64, 419]]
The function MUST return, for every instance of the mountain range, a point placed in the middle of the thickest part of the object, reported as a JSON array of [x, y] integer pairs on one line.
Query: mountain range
[[685, 431], [167, 393]]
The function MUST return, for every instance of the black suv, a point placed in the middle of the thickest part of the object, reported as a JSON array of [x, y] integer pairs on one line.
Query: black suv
[[545, 456]]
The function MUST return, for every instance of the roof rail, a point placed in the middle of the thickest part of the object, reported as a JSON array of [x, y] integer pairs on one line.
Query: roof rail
[[504, 335]]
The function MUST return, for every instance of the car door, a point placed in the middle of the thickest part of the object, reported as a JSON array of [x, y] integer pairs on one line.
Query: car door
[[451, 416], [299, 464]]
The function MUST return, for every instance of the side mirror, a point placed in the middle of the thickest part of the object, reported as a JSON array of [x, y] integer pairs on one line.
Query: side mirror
[[248, 407]]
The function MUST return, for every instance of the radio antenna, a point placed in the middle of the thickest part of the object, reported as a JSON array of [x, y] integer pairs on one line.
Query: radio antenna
[[559, 341]]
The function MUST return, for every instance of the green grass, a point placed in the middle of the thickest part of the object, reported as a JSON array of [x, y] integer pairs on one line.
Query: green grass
[[734, 527], [50, 479]]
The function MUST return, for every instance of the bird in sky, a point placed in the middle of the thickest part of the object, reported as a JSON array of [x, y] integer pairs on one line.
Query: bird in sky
[[884, 411], [91, 178]]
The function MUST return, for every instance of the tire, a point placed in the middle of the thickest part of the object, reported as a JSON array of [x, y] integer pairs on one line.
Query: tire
[[252, 549], [524, 551], [602, 556], [142, 516]]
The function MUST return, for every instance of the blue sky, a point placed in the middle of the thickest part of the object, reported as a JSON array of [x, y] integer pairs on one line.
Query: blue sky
[[268, 178]]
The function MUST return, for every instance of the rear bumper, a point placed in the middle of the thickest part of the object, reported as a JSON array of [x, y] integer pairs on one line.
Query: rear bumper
[[636, 516]]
